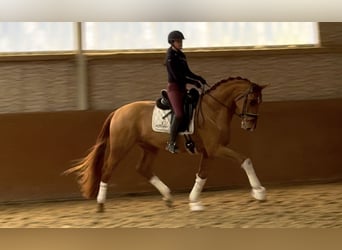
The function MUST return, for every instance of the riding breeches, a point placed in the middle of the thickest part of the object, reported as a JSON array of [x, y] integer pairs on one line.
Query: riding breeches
[[176, 96]]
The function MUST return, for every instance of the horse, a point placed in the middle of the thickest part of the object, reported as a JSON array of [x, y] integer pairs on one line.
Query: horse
[[130, 125]]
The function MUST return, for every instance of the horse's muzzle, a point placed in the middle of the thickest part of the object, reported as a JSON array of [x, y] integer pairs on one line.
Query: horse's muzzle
[[248, 124]]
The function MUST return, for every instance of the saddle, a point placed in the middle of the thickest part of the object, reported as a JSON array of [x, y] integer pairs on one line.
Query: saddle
[[163, 115], [190, 102]]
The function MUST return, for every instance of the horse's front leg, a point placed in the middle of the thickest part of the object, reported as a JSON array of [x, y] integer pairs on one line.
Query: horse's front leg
[[201, 178], [258, 191]]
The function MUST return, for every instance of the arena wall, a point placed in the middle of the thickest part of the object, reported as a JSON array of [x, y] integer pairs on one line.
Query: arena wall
[[42, 133]]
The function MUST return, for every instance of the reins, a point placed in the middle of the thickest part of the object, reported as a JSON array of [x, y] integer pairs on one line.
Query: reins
[[222, 104]]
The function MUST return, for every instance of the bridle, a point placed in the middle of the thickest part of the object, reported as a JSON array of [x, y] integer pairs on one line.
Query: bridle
[[245, 95]]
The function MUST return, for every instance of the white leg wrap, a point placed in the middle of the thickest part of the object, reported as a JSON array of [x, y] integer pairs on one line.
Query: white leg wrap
[[101, 196], [197, 189], [258, 191], [253, 179], [196, 206], [162, 188]]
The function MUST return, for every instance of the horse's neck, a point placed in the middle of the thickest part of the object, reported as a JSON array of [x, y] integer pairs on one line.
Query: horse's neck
[[221, 99], [218, 107]]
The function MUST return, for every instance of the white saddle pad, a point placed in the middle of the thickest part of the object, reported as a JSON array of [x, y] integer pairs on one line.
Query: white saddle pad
[[161, 121]]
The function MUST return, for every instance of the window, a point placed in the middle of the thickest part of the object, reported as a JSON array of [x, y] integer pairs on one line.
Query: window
[[60, 36], [36, 36], [153, 35]]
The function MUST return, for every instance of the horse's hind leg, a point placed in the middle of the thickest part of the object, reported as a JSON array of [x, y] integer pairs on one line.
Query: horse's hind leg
[[109, 166], [144, 168]]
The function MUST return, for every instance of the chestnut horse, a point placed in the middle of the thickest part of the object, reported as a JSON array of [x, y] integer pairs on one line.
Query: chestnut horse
[[130, 125]]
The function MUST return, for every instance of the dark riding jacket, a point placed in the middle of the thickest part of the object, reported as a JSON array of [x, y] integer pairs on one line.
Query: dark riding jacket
[[178, 69]]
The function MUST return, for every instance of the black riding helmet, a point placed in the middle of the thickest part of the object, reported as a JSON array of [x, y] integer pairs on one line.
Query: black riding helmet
[[174, 35]]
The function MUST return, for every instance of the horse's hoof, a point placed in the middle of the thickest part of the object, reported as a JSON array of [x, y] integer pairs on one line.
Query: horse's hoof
[[168, 202], [196, 206], [259, 193], [100, 208]]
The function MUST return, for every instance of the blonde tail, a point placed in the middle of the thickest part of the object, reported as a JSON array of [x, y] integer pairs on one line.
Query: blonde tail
[[89, 169]]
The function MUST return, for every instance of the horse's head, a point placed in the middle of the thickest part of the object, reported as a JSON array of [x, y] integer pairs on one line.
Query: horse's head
[[239, 96], [247, 105]]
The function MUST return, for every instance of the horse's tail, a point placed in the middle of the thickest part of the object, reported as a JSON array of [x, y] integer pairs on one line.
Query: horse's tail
[[89, 169]]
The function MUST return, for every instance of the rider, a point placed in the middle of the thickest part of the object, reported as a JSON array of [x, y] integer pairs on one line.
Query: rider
[[179, 74]]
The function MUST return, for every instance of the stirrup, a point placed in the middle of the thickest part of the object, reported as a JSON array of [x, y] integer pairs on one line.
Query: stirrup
[[172, 148], [189, 144]]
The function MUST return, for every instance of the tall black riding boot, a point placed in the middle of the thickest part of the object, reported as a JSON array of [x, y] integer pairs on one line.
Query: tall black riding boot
[[171, 146]]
